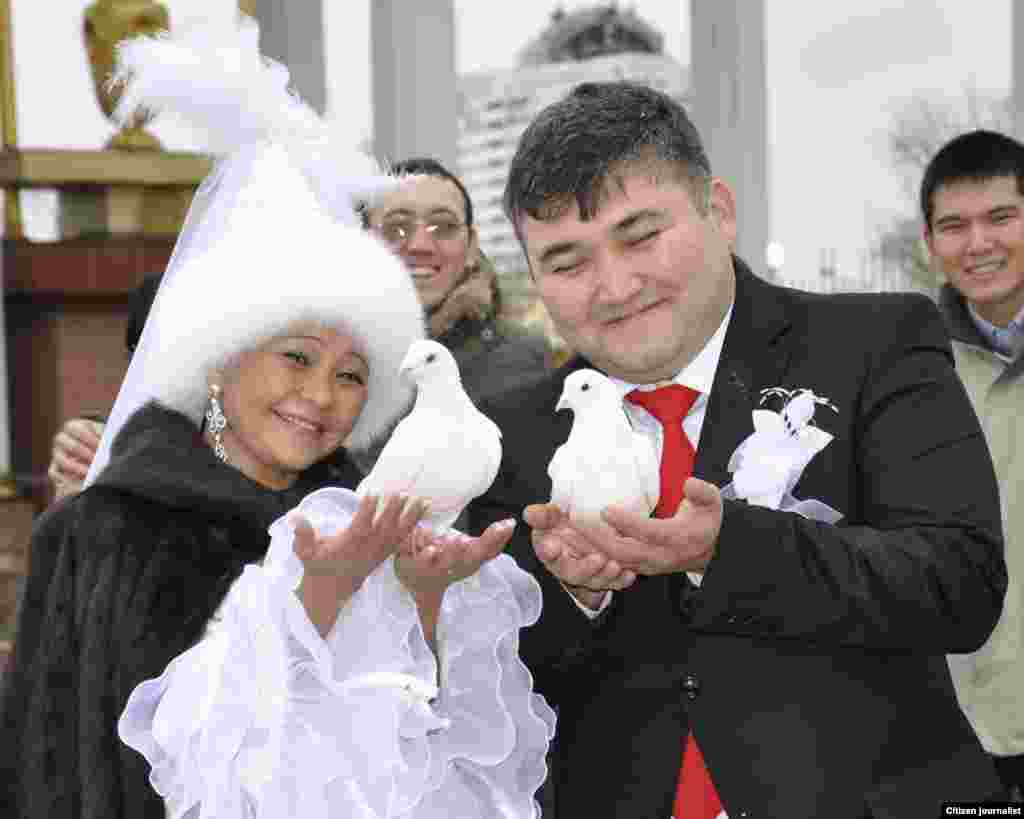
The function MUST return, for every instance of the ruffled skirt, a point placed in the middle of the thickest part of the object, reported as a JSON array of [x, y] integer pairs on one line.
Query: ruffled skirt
[[264, 718]]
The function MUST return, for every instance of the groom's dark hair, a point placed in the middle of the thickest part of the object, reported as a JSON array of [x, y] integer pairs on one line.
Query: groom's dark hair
[[575, 145], [976, 156]]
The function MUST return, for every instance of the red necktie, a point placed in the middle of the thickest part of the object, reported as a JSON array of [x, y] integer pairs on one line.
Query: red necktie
[[696, 797]]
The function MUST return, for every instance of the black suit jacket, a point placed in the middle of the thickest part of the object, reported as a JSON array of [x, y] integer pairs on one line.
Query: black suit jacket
[[810, 664]]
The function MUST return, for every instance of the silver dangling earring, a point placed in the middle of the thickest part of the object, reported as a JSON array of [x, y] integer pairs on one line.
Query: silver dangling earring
[[217, 423]]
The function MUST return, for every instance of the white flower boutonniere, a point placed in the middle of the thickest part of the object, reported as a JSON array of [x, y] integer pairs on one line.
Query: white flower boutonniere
[[767, 464]]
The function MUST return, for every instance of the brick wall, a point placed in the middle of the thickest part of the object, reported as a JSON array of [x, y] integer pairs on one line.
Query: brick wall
[[91, 357], [66, 307], [66, 311]]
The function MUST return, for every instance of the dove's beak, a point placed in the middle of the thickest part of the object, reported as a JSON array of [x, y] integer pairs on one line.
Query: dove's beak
[[562, 404], [406, 366]]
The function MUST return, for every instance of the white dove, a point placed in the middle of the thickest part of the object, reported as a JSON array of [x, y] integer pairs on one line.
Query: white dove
[[604, 462], [445, 450]]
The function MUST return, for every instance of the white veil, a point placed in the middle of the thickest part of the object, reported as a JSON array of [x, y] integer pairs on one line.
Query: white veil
[[272, 234]]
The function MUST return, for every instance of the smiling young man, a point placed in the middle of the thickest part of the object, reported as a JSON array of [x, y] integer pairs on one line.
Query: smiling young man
[[972, 202], [427, 220], [732, 657]]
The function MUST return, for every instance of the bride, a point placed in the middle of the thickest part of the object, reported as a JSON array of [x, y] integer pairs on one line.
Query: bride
[[189, 643]]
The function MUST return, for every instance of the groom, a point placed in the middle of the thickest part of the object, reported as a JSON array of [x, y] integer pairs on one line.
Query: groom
[[724, 656]]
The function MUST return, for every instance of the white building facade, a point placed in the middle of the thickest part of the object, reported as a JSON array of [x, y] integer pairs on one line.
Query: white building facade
[[494, 110]]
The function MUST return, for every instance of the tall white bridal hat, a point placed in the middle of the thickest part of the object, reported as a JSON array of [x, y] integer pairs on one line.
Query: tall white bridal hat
[[272, 237]]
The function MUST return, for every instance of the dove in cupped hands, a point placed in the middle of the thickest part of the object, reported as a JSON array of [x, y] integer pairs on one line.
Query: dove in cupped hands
[[604, 462], [445, 451], [443, 454]]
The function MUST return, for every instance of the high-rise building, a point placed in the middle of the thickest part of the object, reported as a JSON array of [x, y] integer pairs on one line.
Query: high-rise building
[[601, 43]]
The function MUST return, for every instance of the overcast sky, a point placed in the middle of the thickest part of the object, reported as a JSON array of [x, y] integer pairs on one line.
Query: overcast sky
[[836, 71]]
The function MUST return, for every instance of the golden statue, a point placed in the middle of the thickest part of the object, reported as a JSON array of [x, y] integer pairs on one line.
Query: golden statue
[[106, 23]]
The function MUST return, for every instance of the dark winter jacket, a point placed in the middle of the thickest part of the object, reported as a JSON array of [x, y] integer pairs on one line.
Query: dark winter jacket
[[496, 356], [123, 578]]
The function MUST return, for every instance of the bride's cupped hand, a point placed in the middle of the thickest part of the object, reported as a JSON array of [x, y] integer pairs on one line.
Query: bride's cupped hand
[[335, 566], [428, 561]]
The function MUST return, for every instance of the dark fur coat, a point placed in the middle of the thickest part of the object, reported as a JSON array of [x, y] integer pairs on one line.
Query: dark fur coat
[[124, 577]]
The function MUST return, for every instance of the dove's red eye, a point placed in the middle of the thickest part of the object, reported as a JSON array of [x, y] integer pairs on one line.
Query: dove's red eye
[[585, 387], [431, 358]]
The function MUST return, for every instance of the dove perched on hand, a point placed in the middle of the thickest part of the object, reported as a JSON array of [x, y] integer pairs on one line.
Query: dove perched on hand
[[445, 450], [604, 462]]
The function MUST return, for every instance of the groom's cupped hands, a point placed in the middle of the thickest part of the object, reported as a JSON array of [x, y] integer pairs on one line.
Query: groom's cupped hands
[[593, 557]]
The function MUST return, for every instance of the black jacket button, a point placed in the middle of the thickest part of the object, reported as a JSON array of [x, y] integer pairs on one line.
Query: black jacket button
[[691, 685], [687, 605]]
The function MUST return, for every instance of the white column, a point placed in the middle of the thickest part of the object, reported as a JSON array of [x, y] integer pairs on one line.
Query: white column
[[730, 110], [293, 34], [1017, 80], [414, 92]]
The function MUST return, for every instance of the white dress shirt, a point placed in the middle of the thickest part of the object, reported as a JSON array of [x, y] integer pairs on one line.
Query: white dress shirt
[[698, 375]]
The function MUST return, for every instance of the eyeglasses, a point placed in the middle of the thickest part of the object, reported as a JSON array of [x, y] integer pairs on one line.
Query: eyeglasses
[[400, 231]]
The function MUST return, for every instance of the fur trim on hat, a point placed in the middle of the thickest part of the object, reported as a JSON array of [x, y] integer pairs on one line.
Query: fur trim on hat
[[268, 272]]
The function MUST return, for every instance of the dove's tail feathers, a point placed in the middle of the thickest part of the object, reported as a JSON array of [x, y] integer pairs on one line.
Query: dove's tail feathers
[[215, 78]]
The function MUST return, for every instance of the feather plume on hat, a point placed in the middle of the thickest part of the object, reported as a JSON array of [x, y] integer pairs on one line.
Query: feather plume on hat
[[216, 79], [273, 236]]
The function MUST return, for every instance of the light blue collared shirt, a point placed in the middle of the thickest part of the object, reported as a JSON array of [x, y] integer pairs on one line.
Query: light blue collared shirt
[[1007, 341]]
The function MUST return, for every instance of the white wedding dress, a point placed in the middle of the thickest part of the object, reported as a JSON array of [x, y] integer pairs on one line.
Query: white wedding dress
[[264, 718]]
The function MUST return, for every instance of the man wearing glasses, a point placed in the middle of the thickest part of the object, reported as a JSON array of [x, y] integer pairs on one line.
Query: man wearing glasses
[[428, 222]]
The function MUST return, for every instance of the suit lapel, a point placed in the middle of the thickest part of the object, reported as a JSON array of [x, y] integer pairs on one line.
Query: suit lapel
[[755, 356]]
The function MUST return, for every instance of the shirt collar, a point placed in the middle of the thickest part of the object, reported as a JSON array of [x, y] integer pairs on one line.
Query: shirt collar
[[698, 375], [1007, 341]]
